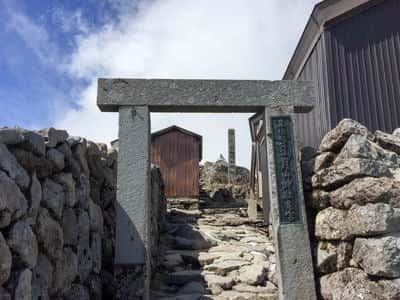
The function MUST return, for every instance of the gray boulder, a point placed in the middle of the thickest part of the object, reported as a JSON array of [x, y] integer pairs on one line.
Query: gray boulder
[[253, 274], [23, 244], [5, 260], [85, 263], [368, 220], [96, 252], [333, 256], [31, 162], [4, 295], [71, 165], [35, 193], [96, 217], [68, 182], [79, 153], [11, 136], [57, 158], [77, 292], [365, 190], [323, 160], [345, 171], [82, 192], [53, 136], [70, 227], [13, 204], [9, 164], [23, 289], [49, 235], [337, 137], [66, 270], [33, 142], [53, 197], [42, 278], [378, 256], [388, 141]]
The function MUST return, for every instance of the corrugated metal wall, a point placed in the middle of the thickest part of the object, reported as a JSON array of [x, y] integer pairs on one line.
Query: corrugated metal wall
[[177, 154], [312, 126], [364, 67]]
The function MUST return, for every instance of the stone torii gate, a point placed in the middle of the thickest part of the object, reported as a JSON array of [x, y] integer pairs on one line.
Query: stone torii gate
[[134, 99]]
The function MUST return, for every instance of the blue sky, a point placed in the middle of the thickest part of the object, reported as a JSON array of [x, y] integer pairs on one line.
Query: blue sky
[[53, 51]]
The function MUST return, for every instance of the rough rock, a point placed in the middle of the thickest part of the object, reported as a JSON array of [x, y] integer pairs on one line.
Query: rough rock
[[337, 137], [71, 165], [42, 278], [4, 295], [225, 282], [23, 244], [253, 275], [53, 136], [5, 260], [224, 266], [23, 289], [35, 193], [193, 287], [69, 225], [368, 220], [96, 252], [366, 190], [170, 261], [345, 171], [85, 263], [95, 286], [79, 153], [13, 204], [56, 157], [11, 136], [49, 235], [66, 270], [182, 277], [388, 141], [77, 292], [67, 181], [9, 164], [82, 191], [96, 217], [358, 146], [33, 142], [31, 162], [333, 256], [378, 256], [323, 160], [53, 197]]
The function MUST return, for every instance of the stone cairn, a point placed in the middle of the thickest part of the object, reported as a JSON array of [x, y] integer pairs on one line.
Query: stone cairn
[[353, 185], [57, 216]]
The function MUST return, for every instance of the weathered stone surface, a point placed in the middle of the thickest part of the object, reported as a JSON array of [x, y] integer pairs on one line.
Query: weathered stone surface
[[193, 287], [5, 260], [11, 136], [378, 256], [388, 141], [35, 193], [53, 136], [323, 160], [337, 137], [32, 163], [85, 263], [352, 283], [345, 171], [53, 197], [4, 295], [71, 165], [9, 164], [269, 288], [170, 261], [33, 142], [95, 286], [56, 157], [66, 270], [333, 256], [82, 191], [23, 244], [368, 220], [366, 190], [96, 217], [224, 266], [253, 274], [96, 251], [13, 204], [42, 278], [225, 282], [70, 227], [67, 181], [182, 277], [49, 235], [77, 292], [23, 289], [79, 153]]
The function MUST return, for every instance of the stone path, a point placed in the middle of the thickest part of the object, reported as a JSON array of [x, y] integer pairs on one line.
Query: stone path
[[213, 254]]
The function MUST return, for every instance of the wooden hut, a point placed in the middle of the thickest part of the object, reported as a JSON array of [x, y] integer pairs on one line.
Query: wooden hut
[[177, 152]]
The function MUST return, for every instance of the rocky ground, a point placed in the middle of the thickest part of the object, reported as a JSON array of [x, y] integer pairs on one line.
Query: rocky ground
[[215, 254]]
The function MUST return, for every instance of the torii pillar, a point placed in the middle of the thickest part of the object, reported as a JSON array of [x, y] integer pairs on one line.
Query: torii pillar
[[134, 99]]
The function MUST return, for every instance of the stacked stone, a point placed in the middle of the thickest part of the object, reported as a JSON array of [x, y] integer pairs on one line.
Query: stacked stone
[[353, 182], [55, 192]]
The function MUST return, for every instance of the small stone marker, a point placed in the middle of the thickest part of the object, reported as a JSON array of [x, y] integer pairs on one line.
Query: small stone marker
[[134, 99], [231, 155]]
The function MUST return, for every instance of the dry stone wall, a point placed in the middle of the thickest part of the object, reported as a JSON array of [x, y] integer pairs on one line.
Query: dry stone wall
[[57, 216], [352, 187]]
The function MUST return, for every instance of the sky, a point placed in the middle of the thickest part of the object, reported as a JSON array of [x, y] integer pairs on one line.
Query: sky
[[53, 51]]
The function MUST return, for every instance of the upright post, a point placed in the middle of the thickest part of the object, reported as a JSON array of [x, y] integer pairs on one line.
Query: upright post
[[133, 203], [289, 223], [231, 155]]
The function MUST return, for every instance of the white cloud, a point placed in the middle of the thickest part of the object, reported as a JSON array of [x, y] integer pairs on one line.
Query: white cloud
[[222, 39]]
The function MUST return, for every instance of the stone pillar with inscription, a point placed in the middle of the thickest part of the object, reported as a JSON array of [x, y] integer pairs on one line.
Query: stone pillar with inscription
[[231, 156], [288, 215]]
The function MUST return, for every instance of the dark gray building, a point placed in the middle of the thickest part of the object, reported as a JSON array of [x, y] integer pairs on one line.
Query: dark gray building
[[351, 49]]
